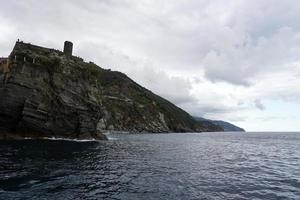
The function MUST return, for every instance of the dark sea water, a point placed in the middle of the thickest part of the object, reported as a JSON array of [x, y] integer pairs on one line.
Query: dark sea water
[[154, 166]]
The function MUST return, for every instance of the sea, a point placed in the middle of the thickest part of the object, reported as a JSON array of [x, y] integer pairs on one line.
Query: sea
[[179, 166]]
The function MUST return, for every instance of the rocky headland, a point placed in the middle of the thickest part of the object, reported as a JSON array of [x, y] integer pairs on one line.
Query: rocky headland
[[47, 93]]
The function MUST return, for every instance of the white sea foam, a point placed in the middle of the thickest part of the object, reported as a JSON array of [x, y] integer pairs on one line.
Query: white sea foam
[[63, 139]]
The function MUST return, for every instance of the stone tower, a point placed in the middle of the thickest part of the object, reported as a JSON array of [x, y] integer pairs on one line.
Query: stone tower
[[68, 48]]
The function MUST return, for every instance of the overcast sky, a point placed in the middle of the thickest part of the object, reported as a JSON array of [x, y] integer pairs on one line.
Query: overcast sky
[[236, 60]]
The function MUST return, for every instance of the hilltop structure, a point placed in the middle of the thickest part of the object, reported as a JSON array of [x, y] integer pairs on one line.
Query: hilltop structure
[[6, 63], [68, 48]]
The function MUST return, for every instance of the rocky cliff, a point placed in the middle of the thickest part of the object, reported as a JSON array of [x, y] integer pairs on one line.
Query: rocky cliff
[[48, 94]]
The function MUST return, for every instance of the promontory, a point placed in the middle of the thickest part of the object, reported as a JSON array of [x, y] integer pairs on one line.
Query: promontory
[[47, 93]]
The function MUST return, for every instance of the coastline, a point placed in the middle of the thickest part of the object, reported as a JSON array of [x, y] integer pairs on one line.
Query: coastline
[[25, 136]]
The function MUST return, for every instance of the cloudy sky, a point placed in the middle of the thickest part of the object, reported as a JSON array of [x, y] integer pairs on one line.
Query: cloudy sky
[[235, 60]]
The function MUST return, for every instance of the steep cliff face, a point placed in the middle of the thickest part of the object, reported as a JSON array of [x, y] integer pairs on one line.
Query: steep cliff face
[[46, 94]]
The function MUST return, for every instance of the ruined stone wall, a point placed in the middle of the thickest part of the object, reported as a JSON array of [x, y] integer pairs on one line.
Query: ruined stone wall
[[4, 65]]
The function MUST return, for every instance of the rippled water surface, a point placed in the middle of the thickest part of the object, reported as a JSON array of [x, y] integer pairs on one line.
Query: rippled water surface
[[154, 166]]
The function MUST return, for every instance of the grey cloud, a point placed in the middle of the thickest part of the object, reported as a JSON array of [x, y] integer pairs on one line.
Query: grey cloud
[[232, 43], [210, 110], [175, 89], [258, 104]]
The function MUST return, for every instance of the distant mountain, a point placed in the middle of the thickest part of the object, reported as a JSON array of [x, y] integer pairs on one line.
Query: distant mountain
[[225, 125]]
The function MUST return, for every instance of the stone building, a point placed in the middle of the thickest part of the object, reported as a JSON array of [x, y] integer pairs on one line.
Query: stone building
[[68, 48]]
